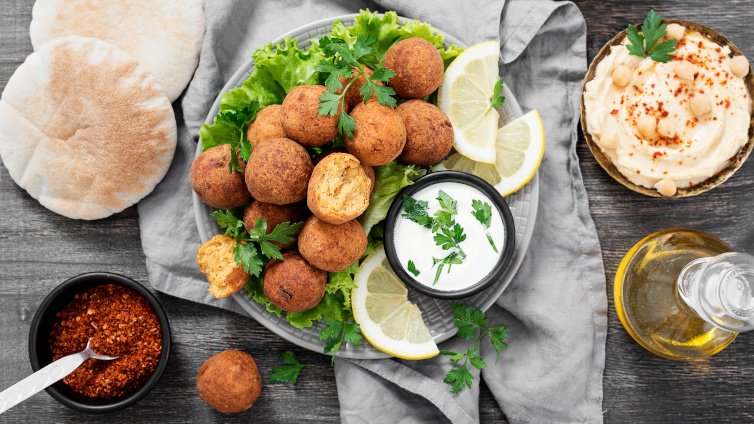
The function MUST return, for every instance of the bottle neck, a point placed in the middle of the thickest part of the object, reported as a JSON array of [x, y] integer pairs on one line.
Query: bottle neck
[[720, 290]]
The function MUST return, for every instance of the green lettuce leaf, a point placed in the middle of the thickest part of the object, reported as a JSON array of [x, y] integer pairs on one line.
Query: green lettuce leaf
[[289, 65], [390, 179], [255, 289], [389, 31], [335, 304]]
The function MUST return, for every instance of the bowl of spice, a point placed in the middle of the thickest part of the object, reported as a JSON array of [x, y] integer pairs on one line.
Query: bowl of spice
[[123, 319]]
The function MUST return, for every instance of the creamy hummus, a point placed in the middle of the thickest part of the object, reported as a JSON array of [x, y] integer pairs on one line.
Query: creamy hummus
[[699, 144]]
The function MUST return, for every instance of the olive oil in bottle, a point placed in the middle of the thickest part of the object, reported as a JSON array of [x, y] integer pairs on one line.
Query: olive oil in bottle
[[681, 295]]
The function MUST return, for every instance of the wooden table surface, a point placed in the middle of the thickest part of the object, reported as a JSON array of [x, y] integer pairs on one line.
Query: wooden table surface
[[39, 249]]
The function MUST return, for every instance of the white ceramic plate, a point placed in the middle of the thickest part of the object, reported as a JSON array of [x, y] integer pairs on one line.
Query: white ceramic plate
[[437, 313]]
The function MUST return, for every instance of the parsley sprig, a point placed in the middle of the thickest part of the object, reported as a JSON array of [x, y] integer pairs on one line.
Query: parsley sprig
[[483, 213], [239, 119], [245, 252], [646, 43], [497, 96], [469, 320], [336, 332], [345, 62], [287, 373], [448, 233], [412, 268]]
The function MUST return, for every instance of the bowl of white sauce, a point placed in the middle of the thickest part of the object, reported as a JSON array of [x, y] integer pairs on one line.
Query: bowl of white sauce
[[449, 235]]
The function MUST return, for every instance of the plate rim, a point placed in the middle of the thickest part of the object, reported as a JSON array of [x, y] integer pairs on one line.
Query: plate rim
[[257, 314]]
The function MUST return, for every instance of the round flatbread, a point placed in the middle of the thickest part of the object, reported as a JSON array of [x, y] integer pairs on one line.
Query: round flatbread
[[165, 35], [85, 128]]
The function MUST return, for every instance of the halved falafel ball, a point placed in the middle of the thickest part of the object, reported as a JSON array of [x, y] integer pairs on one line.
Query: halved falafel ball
[[332, 247], [429, 133], [301, 119], [213, 182], [379, 136], [293, 284], [367, 169], [266, 126], [275, 214], [229, 381], [339, 189], [418, 68], [353, 95], [278, 171]]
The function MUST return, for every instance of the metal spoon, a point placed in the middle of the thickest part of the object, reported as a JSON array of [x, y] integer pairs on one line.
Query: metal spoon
[[45, 377]]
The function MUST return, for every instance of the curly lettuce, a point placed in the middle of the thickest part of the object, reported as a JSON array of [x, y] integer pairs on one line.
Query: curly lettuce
[[389, 180]]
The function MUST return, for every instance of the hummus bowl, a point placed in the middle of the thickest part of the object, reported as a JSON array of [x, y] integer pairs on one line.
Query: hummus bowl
[[712, 145]]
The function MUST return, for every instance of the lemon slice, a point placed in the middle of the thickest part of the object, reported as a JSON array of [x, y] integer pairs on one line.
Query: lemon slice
[[465, 95], [387, 319], [519, 148]]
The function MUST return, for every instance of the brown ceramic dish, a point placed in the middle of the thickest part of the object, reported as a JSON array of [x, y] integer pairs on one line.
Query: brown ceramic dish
[[705, 185]]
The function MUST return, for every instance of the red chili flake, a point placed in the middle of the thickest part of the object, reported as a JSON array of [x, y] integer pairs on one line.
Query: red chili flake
[[638, 172], [678, 91], [732, 158], [665, 173], [696, 74], [701, 45], [701, 91], [727, 103], [657, 153], [614, 111], [120, 323], [717, 49], [664, 113]]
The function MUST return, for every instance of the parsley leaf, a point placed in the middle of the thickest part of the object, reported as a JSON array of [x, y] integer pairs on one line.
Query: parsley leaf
[[287, 373], [239, 120], [645, 44], [416, 210], [412, 268], [468, 320], [246, 253], [342, 61], [336, 332], [483, 213], [497, 96]]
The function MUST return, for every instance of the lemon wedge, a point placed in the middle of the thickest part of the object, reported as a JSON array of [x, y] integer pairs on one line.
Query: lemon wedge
[[387, 319], [465, 96], [519, 147]]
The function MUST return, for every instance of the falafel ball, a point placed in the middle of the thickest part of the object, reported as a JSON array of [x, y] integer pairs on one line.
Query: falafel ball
[[353, 95], [293, 284], [418, 68], [332, 247], [367, 169], [213, 182], [266, 125], [301, 119], [275, 214], [429, 133], [229, 381], [278, 171], [338, 189], [379, 136]]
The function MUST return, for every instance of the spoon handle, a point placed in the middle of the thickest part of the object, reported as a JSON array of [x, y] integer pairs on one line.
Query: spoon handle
[[40, 380]]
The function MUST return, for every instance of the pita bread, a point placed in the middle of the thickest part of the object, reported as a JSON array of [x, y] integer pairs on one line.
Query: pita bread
[[85, 128], [165, 35]]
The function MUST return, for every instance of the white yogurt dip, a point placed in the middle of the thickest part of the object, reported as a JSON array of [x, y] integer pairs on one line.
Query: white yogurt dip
[[416, 243]]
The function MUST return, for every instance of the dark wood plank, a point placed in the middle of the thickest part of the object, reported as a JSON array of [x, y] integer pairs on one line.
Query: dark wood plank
[[39, 249]]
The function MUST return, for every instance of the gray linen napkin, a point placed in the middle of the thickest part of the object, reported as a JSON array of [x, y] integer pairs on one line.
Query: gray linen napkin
[[555, 308]]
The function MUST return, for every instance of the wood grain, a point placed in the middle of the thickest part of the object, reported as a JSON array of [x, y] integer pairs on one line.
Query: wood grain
[[39, 249]]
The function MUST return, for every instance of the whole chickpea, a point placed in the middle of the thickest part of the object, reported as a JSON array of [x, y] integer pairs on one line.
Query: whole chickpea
[[609, 141], [647, 125], [684, 70], [739, 65], [621, 75], [667, 127], [700, 104], [666, 187], [676, 31]]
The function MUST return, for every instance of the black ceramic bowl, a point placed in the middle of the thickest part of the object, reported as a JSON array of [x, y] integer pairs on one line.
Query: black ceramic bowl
[[40, 354], [396, 209]]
